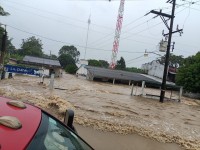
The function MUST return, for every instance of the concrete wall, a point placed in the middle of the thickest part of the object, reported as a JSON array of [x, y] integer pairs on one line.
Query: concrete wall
[[156, 69]]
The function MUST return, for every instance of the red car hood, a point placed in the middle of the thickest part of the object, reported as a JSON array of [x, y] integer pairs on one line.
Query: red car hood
[[29, 117]]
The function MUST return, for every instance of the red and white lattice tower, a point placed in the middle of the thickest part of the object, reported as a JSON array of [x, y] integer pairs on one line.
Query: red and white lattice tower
[[117, 34]]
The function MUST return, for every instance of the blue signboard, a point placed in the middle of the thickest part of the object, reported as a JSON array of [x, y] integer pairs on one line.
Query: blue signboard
[[22, 70]]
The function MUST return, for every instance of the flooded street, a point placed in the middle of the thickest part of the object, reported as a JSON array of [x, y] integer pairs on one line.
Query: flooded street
[[109, 107]]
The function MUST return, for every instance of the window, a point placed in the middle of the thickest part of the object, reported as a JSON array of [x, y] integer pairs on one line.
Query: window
[[52, 135]]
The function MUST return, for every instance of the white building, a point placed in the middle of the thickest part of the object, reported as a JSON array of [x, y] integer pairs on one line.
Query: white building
[[153, 68], [156, 69], [82, 71]]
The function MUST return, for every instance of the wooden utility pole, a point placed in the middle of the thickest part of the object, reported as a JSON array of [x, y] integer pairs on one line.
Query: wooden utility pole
[[170, 28], [163, 86], [3, 47], [3, 50]]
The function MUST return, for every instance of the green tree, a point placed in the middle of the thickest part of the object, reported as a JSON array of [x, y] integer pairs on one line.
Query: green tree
[[188, 74], [32, 47], [1, 35], [10, 48], [65, 60], [70, 50], [71, 68], [94, 62], [104, 63], [174, 61], [53, 56], [2, 12], [121, 65], [136, 70], [98, 63]]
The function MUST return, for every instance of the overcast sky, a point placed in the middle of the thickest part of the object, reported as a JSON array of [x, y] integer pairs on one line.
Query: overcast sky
[[64, 22]]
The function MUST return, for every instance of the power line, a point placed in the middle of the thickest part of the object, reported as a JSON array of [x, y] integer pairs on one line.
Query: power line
[[186, 17], [63, 22], [56, 14], [126, 32], [58, 41], [135, 58], [132, 34], [70, 18], [141, 31], [125, 25], [111, 34], [79, 20], [140, 60], [190, 3], [146, 28]]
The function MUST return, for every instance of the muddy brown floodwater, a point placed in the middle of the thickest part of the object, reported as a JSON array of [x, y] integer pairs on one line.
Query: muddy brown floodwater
[[109, 107]]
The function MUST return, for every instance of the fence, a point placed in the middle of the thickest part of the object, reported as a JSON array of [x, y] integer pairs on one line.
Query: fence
[[152, 90]]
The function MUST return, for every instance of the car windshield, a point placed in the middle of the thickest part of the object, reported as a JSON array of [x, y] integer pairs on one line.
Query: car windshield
[[52, 135]]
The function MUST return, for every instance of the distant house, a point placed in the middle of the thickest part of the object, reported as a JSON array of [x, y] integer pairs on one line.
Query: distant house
[[48, 65], [12, 61], [82, 71], [156, 69]]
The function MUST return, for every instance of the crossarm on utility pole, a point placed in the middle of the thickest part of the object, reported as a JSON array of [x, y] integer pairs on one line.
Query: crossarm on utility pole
[[180, 30], [161, 14]]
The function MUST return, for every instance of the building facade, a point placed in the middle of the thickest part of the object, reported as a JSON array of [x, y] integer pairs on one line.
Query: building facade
[[156, 69]]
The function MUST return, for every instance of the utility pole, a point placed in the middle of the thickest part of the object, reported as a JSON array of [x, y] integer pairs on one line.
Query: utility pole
[[3, 50], [3, 47], [170, 28]]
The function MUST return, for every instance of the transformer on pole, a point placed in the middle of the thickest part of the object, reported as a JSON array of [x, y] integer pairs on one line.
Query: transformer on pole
[[117, 35]]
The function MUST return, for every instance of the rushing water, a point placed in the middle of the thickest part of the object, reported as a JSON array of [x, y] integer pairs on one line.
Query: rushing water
[[109, 107]]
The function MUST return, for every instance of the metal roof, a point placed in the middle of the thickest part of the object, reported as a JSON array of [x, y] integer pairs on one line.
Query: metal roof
[[124, 75], [117, 74], [41, 61]]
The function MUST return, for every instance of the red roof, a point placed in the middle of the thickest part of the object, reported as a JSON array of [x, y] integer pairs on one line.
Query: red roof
[[29, 117]]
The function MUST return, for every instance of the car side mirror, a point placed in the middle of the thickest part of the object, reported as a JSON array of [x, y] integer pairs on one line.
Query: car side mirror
[[69, 118]]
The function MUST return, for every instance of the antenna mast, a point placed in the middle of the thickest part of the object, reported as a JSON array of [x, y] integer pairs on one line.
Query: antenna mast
[[117, 34], [89, 21]]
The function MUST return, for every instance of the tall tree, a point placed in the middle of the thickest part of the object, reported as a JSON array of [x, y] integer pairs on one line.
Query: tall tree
[[68, 63], [71, 50], [121, 64], [104, 63], [10, 48], [2, 30], [3, 12], [66, 59], [174, 60], [98, 63], [31, 46], [188, 75], [9, 44]]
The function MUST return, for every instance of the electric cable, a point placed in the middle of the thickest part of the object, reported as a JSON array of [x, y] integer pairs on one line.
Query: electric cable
[[58, 41]]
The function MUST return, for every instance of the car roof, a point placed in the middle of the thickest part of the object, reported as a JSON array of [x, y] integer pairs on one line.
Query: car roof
[[29, 117]]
